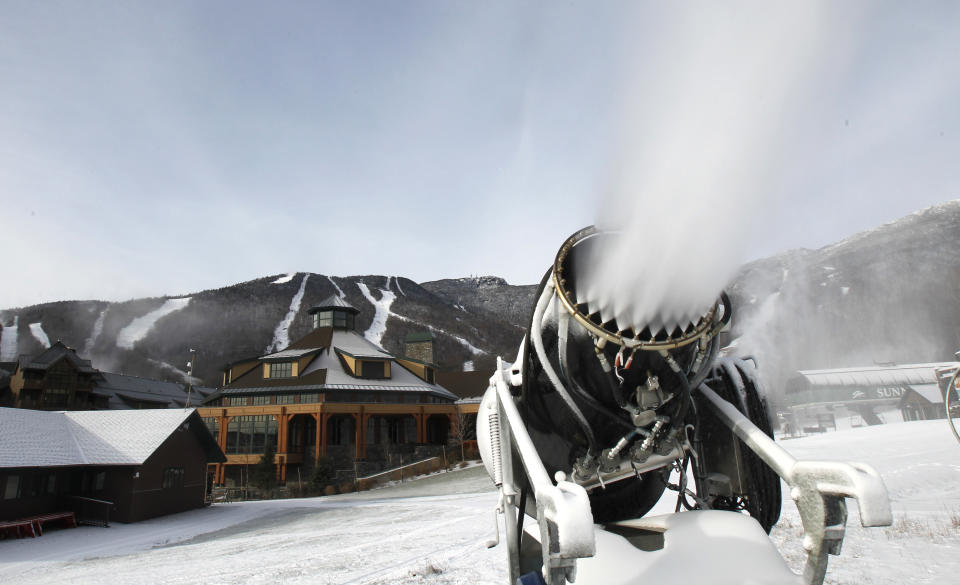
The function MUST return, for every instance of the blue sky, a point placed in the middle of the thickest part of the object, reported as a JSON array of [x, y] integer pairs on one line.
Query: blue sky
[[165, 148]]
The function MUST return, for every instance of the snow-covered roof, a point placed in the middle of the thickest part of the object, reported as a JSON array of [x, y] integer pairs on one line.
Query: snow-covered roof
[[34, 438], [929, 392], [907, 374], [289, 354], [119, 387]]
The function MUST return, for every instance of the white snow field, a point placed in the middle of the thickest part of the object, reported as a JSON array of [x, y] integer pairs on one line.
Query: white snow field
[[434, 530], [8, 341]]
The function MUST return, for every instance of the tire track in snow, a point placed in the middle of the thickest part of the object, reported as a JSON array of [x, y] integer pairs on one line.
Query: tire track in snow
[[281, 335]]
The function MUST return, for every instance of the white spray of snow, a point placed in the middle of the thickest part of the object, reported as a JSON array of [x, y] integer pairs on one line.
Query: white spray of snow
[[375, 332], [141, 326], [8, 341], [187, 378], [95, 334], [700, 158], [339, 292], [281, 335], [284, 279], [36, 329]]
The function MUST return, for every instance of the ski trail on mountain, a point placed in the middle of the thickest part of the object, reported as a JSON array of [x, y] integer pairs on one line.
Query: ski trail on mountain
[[375, 332], [281, 335], [141, 326], [339, 291], [95, 334], [8, 341], [36, 329]]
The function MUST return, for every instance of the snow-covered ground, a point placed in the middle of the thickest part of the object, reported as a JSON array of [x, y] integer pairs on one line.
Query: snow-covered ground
[[141, 326], [434, 530], [8, 341], [281, 335]]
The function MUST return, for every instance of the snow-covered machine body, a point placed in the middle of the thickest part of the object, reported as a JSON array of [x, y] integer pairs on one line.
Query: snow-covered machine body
[[586, 429]]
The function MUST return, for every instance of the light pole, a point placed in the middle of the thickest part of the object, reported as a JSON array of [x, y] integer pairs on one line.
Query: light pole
[[193, 359]]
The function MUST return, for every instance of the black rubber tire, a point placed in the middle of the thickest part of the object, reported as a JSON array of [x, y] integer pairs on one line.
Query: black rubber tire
[[764, 497]]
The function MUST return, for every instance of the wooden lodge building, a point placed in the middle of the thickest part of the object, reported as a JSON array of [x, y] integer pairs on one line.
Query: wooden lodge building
[[331, 393], [118, 465], [58, 379]]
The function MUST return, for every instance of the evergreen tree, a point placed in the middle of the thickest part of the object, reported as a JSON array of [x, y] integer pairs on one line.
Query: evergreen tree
[[322, 472], [264, 474]]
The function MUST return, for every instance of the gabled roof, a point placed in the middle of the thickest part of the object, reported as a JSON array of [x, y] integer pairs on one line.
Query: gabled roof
[[34, 438], [333, 302], [52, 355], [908, 374], [126, 391], [327, 373], [319, 338]]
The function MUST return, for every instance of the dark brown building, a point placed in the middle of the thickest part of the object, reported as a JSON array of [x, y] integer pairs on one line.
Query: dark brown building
[[145, 462]]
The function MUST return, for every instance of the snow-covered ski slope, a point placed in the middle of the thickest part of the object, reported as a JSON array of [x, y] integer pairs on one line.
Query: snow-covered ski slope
[[141, 326], [433, 531], [281, 335], [8, 341]]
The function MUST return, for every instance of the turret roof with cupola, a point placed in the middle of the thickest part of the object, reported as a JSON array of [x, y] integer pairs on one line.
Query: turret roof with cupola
[[331, 359]]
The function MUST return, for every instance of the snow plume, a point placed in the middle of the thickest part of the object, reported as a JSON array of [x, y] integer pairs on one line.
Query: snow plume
[[36, 329], [95, 334], [284, 279], [8, 341], [281, 335], [339, 291], [698, 159], [185, 377], [141, 326], [382, 307]]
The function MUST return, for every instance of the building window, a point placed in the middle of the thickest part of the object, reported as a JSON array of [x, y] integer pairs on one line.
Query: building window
[[336, 319], [285, 398], [429, 376], [99, 480], [250, 434], [12, 489], [172, 478], [281, 370], [236, 401], [374, 370], [213, 425], [261, 400]]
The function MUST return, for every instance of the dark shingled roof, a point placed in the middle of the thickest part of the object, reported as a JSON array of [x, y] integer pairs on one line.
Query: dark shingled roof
[[333, 302], [254, 379], [419, 336], [52, 355], [319, 338]]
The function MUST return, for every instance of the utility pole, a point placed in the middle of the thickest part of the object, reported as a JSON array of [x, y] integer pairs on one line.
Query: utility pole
[[193, 359]]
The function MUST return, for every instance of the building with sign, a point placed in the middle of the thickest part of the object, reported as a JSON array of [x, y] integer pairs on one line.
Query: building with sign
[[332, 393], [865, 395]]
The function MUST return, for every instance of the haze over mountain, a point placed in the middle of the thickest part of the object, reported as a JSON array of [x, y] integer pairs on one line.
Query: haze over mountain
[[891, 294]]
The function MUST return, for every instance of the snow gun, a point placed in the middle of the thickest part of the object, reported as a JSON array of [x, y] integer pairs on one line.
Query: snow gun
[[596, 420]]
